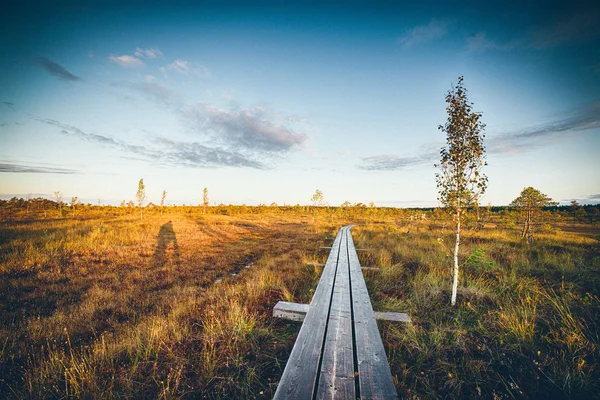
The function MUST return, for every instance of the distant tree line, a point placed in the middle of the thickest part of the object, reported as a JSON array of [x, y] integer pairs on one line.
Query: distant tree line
[[507, 216]]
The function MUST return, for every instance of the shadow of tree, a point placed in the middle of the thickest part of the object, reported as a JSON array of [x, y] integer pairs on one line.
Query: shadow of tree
[[166, 236]]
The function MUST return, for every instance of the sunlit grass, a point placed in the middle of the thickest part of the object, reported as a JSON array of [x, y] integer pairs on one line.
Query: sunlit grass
[[526, 323], [180, 305]]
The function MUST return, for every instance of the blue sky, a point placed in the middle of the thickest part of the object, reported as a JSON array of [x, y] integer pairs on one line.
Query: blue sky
[[265, 102]]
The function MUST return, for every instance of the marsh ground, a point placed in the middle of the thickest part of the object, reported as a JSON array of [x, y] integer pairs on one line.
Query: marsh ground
[[179, 305]]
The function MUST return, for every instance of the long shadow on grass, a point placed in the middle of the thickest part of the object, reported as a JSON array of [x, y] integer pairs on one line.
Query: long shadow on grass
[[166, 236]]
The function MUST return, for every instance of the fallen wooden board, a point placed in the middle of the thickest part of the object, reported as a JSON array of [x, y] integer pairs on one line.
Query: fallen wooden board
[[297, 312]]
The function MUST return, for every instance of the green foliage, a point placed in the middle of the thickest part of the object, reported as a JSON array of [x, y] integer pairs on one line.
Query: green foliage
[[476, 261], [141, 195], [532, 199], [205, 197], [204, 200], [317, 198], [461, 182], [530, 203]]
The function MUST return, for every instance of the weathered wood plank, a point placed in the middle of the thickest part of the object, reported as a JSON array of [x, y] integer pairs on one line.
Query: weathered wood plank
[[375, 378], [297, 312], [392, 316], [336, 378], [301, 372], [291, 311], [339, 336]]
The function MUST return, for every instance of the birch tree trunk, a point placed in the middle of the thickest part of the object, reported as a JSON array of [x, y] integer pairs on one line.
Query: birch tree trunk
[[456, 246]]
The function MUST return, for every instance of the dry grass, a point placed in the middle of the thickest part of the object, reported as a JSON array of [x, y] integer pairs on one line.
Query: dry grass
[[526, 323], [170, 306], [108, 306]]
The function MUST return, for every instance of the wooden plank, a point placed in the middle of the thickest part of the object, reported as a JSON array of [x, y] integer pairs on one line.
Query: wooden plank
[[392, 316], [336, 379], [301, 371], [375, 378], [291, 311], [297, 312]]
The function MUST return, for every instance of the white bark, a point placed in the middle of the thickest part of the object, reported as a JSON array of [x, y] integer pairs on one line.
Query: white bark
[[456, 245]]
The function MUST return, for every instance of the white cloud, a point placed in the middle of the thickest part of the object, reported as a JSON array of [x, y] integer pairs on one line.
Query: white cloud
[[147, 53], [435, 29], [387, 162], [126, 60], [480, 42], [255, 129], [256, 132], [186, 68]]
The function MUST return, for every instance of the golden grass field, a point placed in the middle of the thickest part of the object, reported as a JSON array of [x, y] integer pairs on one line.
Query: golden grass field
[[103, 305]]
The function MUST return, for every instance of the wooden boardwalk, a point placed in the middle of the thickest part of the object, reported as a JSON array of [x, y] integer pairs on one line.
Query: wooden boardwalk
[[338, 353]]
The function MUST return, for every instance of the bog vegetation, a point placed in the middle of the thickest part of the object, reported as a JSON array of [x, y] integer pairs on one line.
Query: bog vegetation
[[98, 303]]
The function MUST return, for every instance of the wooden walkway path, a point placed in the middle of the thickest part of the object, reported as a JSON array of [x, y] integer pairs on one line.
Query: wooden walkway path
[[338, 353]]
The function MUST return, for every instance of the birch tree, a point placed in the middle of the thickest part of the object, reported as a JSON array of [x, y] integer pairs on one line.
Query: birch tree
[[28, 202], [59, 201], [318, 199], [74, 203], [141, 195], [204, 200], [162, 201], [460, 182]]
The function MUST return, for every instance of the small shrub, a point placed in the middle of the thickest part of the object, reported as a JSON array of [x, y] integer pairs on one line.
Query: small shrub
[[476, 261]]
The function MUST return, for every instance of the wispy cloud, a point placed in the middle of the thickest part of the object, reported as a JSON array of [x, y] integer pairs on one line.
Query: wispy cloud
[[572, 122], [154, 91], [252, 129], [126, 60], [515, 142], [23, 168], [435, 29], [135, 60], [147, 53], [165, 151], [257, 131], [395, 163], [193, 154], [56, 69], [579, 25], [9, 105], [480, 42], [186, 68], [591, 199]]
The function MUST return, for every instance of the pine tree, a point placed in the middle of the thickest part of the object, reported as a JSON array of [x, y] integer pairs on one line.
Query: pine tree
[[530, 202]]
